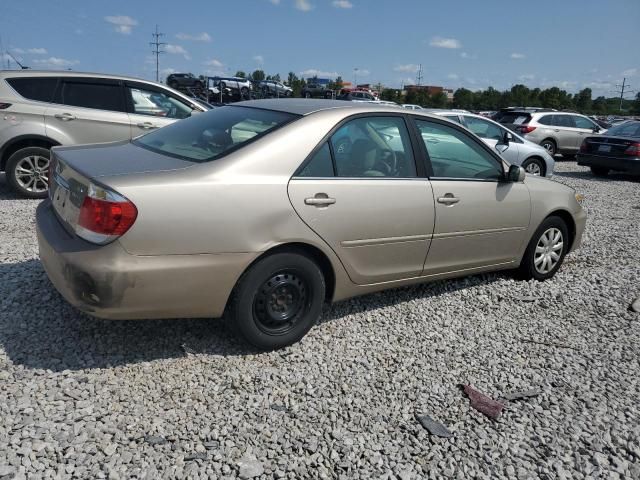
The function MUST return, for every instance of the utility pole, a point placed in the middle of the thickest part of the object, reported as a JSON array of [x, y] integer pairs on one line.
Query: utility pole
[[419, 75], [157, 44], [355, 77]]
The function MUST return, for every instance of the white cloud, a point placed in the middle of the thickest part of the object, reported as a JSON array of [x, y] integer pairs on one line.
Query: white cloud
[[37, 51], [122, 23], [517, 56], [214, 63], [198, 37], [55, 62], [363, 72], [177, 50], [275, 2], [167, 71], [342, 4], [259, 59], [409, 67], [312, 72], [18, 51], [445, 42], [630, 72], [526, 78], [453, 76], [597, 85], [468, 55], [303, 5]]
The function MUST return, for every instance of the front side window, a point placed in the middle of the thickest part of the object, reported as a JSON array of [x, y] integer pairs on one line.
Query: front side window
[[582, 122], [373, 147], [100, 96], [211, 135], [35, 88], [484, 129], [157, 104], [453, 154], [563, 121]]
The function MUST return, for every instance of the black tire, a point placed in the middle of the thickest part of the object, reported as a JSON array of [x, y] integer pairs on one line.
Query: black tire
[[328, 95], [550, 145], [530, 165], [40, 178], [277, 301], [244, 92], [600, 171], [307, 95], [528, 269]]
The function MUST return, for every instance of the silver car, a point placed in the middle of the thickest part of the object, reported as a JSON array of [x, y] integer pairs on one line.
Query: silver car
[[43, 109], [515, 149], [263, 210]]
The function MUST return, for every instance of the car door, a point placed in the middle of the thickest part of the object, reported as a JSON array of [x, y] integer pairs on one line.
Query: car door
[[493, 135], [365, 199], [151, 107], [88, 110], [584, 128], [481, 220], [565, 132]]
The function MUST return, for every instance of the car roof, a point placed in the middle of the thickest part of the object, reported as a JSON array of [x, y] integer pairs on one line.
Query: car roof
[[67, 73], [306, 106]]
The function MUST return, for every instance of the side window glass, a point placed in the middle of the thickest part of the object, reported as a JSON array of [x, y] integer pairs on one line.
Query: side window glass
[[546, 120], [483, 129], [582, 122], [373, 147], [454, 154], [564, 121], [101, 96], [320, 165], [34, 88], [157, 104], [455, 118]]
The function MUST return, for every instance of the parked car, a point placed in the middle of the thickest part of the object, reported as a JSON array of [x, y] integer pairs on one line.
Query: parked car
[[238, 84], [514, 149], [43, 109], [558, 132], [241, 207], [275, 88], [410, 106], [356, 96], [312, 90], [618, 150], [184, 80]]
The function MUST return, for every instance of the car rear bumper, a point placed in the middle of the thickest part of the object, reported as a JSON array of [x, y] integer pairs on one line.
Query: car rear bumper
[[630, 164], [108, 282]]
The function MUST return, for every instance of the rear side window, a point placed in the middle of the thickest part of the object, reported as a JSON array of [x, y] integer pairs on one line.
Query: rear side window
[[35, 88], [563, 121], [101, 96], [546, 120], [320, 165]]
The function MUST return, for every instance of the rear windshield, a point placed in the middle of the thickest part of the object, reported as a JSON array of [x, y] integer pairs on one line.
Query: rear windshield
[[207, 136], [514, 118], [627, 129]]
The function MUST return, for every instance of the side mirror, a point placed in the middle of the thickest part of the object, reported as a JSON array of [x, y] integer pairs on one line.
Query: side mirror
[[506, 138], [516, 174], [596, 129]]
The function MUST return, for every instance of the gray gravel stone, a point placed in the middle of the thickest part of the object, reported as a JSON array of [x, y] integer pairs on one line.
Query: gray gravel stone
[[88, 398]]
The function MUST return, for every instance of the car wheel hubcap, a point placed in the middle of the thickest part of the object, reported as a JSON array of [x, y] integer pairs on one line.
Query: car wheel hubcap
[[533, 168], [280, 302], [32, 173], [548, 250]]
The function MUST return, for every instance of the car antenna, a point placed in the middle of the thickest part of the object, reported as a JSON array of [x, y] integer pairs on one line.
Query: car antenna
[[23, 67]]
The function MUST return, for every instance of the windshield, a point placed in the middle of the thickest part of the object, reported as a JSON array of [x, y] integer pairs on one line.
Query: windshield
[[627, 129], [208, 136]]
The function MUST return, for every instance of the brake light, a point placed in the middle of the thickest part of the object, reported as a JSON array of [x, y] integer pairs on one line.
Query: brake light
[[633, 149], [105, 216], [584, 147], [527, 129]]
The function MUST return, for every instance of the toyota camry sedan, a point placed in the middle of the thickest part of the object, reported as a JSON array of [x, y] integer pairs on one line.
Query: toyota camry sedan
[[262, 211]]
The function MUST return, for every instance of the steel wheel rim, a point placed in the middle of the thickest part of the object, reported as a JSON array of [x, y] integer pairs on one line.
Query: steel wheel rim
[[281, 302], [548, 250], [32, 173], [548, 146], [533, 168]]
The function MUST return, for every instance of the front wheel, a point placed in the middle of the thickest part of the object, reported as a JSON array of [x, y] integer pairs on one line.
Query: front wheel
[[244, 92], [307, 94], [546, 250], [277, 301], [534, 166], [28, 172], [600, 171]]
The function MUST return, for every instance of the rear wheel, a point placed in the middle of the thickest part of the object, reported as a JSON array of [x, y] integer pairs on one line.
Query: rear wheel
[[244, 92], [546, 250], [600, 171], [307, 94], [534, 166], [550, 146], [28, 172], [277, 301]]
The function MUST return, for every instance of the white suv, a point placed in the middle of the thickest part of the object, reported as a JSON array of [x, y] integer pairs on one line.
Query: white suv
[[42, 109]]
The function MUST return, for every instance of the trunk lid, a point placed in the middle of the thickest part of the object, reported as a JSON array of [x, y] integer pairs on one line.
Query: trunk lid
[[607, 146]]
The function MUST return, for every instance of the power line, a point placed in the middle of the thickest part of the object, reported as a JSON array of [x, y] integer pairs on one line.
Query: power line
[[157, 51], [622, 89]]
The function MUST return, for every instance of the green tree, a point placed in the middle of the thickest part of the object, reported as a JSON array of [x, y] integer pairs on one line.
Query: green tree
[[437, 100], [636, 105], [583, 101], [520, 95], [240, 74], [599, 106], [258, 76], [463, 98]]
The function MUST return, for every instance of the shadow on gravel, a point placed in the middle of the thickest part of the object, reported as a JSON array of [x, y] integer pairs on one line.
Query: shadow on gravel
[[5, 191], [587, 175], [38, 329]]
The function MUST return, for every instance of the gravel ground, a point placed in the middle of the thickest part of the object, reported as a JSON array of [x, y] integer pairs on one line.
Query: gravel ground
[[87, 398]]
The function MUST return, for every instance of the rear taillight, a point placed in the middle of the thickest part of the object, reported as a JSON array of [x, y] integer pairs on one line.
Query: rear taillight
[[526, 129], [105, 215], [633, 149], [584, 147]]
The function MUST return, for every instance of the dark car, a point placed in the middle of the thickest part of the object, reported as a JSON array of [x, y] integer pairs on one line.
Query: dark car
[[618, 149], [184, 80], [312, 90], [356, 96]]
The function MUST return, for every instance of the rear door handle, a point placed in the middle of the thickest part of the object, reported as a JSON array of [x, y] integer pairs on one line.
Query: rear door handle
[[147, 125], [556, 130], [320, 200], [448, 199], [65, 117]]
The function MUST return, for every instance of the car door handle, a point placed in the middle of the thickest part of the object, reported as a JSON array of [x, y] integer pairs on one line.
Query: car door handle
[[320, 200], [448, 199], [556, 130], [65, 117], [147, 125]]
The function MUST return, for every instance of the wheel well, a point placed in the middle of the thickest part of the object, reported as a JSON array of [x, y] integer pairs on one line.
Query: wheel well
[[544, 164], [551, 140], [568, 220], [24, 143]]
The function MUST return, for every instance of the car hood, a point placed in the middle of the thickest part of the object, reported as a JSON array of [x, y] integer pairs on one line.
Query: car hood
[[121, 158]]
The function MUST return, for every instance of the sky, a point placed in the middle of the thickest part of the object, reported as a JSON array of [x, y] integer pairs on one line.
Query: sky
[[474, 44]]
